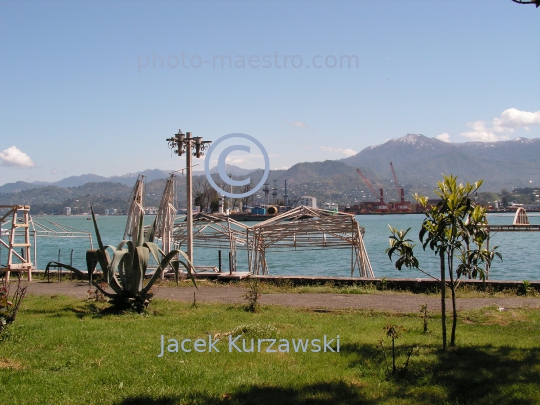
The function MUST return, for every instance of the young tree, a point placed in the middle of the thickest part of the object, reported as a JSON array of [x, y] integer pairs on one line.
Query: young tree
[[455, 229]]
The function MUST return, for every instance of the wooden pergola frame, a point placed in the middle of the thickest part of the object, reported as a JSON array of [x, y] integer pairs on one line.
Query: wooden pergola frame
[[23, 232], [521, 224], [20, 229], [308, 228], [212, 231]]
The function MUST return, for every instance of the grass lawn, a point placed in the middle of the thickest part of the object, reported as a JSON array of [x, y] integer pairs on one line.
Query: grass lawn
[[62, 350]]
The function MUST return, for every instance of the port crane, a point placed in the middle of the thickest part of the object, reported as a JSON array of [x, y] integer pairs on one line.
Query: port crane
[[401, 192], [382, 206]]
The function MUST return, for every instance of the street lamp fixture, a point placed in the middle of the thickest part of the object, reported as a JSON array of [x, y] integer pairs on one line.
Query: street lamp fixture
[[195, 146], [201, 145], [180, 142]]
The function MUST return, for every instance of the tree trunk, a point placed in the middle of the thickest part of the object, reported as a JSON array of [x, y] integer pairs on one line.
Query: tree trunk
[[453, 290], [443, 297]]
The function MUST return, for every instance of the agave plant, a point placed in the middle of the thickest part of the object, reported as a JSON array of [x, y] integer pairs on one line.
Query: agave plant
[[124, 270]]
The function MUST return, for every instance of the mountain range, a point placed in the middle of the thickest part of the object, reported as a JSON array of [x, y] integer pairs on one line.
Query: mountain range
[[419, 162], [126, 179]]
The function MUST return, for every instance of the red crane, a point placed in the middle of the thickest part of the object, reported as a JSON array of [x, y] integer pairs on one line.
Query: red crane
[[400, 191], [382, 206]]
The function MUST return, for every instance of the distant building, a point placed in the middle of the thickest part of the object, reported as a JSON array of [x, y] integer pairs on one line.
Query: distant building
[[151, 210], [306, 201], [258, 211], [67, 210]]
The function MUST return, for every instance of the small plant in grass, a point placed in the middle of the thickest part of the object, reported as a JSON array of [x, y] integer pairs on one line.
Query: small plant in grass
[[9, 307], [394, 332], [425, 317], [383, 284], [124, 271], [524, 288], [96, 295], [252, 296]]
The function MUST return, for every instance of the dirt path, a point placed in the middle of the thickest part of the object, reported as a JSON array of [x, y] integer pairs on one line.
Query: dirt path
[[231, 294]]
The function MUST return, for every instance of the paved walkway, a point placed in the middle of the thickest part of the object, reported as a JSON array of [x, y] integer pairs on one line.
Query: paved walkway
[[227, 294]]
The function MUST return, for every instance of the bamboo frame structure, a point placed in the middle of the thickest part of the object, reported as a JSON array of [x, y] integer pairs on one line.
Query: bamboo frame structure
[[308, 228], [20, 229], [136, 208], [23, 232], [521, 224], [45, 228], [165, 216], [212, 231]]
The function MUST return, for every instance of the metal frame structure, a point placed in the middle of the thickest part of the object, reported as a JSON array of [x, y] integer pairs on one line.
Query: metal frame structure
[[521, 224], [45, 228], [22, 232], [212, 231], [165, 215], [19, 229], [136, 208], [308, 228]]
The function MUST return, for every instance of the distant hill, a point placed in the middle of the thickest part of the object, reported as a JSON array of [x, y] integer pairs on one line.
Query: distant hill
[[126, 179], [419, 161], [18, 187]]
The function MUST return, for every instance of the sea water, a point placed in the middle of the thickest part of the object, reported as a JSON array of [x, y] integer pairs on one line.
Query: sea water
[[520, 250]]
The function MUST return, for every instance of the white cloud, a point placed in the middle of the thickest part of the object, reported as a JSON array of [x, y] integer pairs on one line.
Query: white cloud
[[234, 160], [346, 152], [445, 137], [14, 157], [481, 133], [501, 127], [300, 124], [512, 118]]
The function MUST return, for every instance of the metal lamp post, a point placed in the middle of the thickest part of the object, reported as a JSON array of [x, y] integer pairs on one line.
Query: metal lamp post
[[195, 146]]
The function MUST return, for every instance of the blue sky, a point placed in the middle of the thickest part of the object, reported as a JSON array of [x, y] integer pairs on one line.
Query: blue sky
[[96, 87]]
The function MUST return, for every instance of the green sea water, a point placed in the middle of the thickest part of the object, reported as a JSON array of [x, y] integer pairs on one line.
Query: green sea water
[[521, 251]]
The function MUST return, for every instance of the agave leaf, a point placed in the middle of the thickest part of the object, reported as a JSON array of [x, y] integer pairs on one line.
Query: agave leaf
[[118, 256], [103, 260], [91, 261], [176, 267], [107, 260], [67, 267], [154, 250], [111, 278], [122, 243], [188, 266], [98, 236], [80, 273], [140, 236], [130, 247], [140, 263], [128, 271], [164, 263], [105, 293], [150, 233], [117, 264]]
